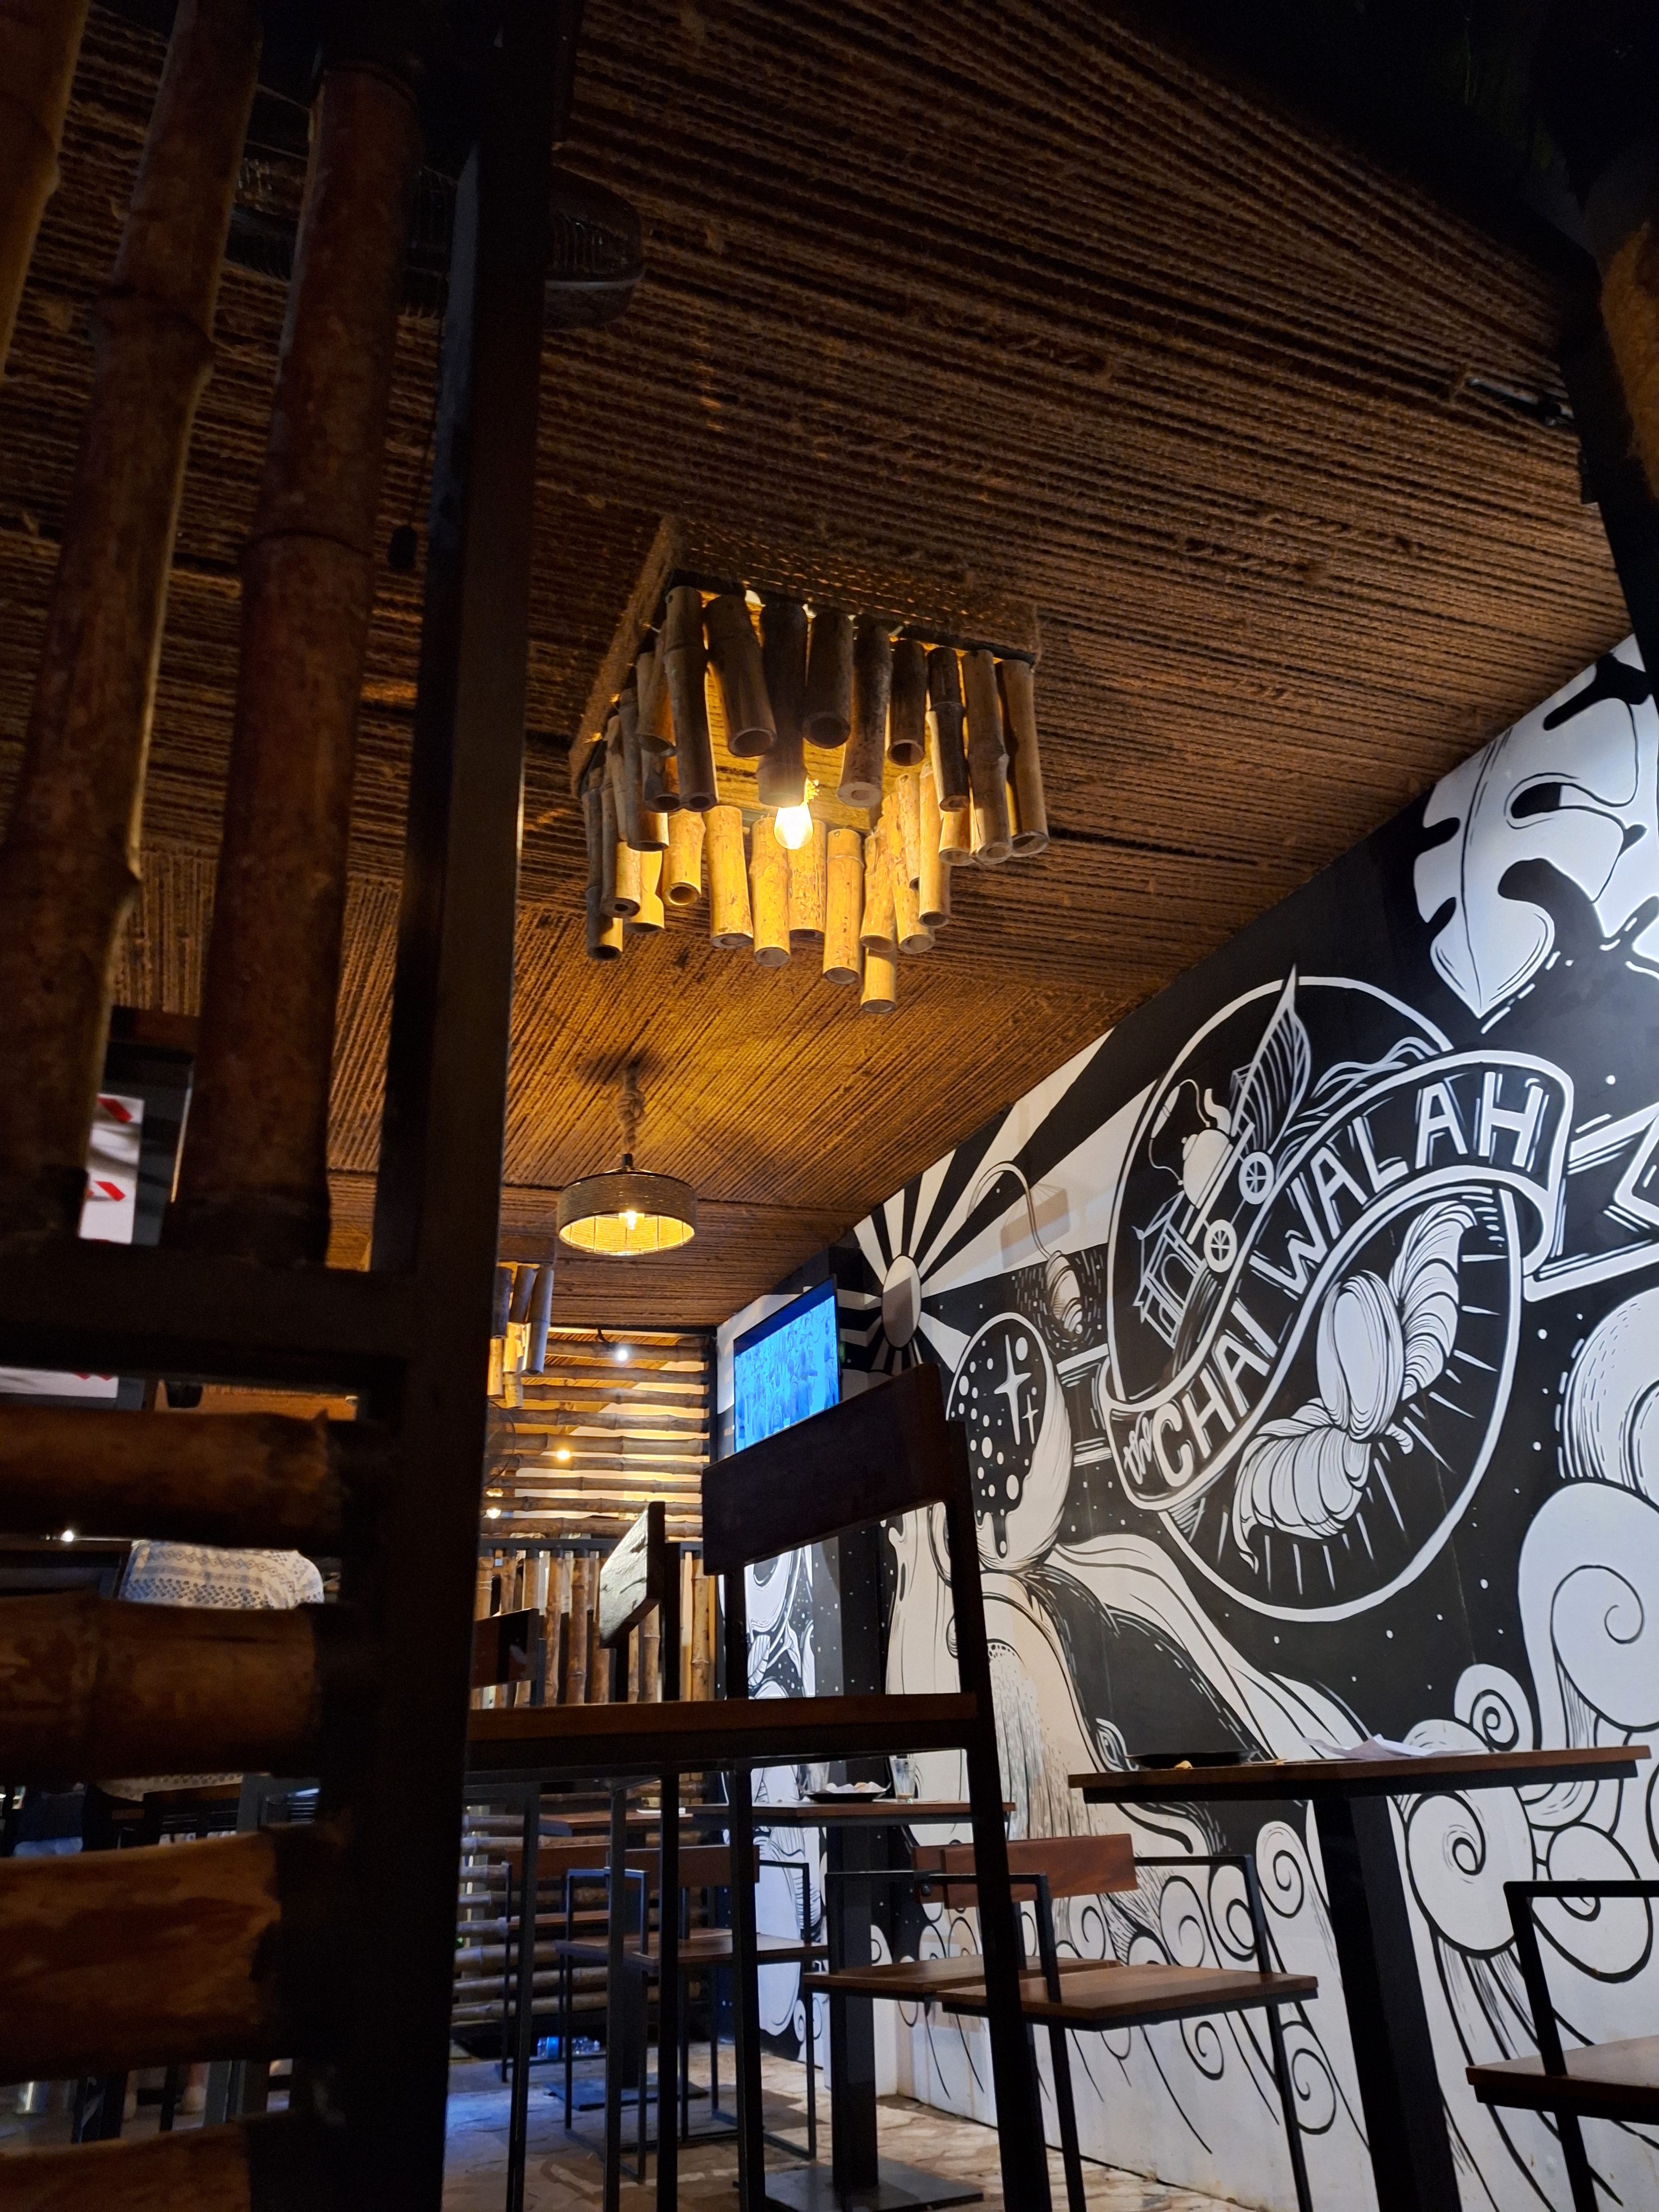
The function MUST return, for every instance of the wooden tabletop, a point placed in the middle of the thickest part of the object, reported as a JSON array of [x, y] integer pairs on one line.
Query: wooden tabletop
[[619, 1740], [1358, 1777], [864, 1812]]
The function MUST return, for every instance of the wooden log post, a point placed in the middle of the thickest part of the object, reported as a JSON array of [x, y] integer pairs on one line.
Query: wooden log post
[[68, 868], [735, 652], [730, 925], [684, 666], [875, 930], [908, 798], [933, 888], [236, 1479], [117, 1959], [908, 926], [632, 772], [95, 1688], [988, 762], [683, 869], [781, 775], [768, 883], [39, 42], [907, 714], [945, 718], [650, 915], [807, 872], [866, 743], [253, 1177], [1018, 681], [827, 711], [844, 906]]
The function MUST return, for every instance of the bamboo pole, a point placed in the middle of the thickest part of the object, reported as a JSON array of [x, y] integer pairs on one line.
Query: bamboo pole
[[729, 922], [735, 652], [253, 1178], [866, 743], [604, 930], [907, 716], [651, 690], [254, 1479], [576, 1686], [683, 665], [945, 713], [683, 869], [608, 840], [781, 776], [39, 42], [956, 838], [594, 836], [541, 1317], [69, 869], [880, 993], [875, 930], [661, 785], [933, 888], [908, 795], [827, 707], [807, 864], [650, 915], [988, 761], [116, 1959], [1017, 680], [844, 906], [913, 938], [654, 833], [624, 777], [630, 893], [768, 883], [632, 811], [95, 1687]]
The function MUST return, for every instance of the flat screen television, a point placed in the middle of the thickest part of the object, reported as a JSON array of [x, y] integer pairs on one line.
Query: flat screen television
[[786, 1368]]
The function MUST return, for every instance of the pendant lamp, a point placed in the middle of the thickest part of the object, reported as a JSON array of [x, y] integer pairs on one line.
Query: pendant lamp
[[618, 1216]]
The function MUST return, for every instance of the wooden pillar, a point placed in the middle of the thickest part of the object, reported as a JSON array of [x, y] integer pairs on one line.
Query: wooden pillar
[[781, 776], [69, 869], [39, 42], [253, 1177], [844, 906]]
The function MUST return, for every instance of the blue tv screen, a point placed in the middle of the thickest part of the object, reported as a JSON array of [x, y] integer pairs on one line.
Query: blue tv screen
[[786, 1368]]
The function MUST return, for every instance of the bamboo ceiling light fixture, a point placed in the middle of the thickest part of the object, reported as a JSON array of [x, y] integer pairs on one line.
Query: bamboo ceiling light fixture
[[934, 764], [621, 1215]]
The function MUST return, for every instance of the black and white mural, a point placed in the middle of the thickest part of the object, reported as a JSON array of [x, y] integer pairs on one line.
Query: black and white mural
[[1307, 1332]]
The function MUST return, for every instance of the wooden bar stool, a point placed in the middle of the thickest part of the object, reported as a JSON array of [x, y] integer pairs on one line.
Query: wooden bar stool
[[1597, 2082]]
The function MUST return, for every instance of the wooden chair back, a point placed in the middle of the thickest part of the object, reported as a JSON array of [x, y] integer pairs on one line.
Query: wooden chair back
[[1073, 1866], [631, 1579], [506, 1648]]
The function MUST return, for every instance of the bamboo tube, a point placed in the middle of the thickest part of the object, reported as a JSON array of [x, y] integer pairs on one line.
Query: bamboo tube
[[913, 938], [39, 42], [650, 915], [95, 1687], [660, 784], [605, 930], [206, 2168], [827, 706], [683, 663], [650, 1678], [624, 787], [729, 922], [876, 928], [630, 893], [844, 906], [703, 1640], [735, 652], [1017, 680], [541, 1317], [956, 837], [807, 864], [946, 717], [907, 714], [483, 1590], [651, 690], [769, 883], [258, 1479], [609, 841], [593, 798], [781, 776], [116, 1959], [866, 744], [253, 1178], [683, 869], [576, 1689], [69, 869], [632, 810], [654, 833], [988, 761], [933, 888], [880, 993], [907, 792], [598, 1659]]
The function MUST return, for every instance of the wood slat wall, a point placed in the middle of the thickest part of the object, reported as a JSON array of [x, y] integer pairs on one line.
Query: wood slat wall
[[596, 1437]]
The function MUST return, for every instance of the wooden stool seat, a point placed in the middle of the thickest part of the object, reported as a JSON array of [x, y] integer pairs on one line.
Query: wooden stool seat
[[925, 1981], [1140, 1996], [703, 1947], [1602, 2082]]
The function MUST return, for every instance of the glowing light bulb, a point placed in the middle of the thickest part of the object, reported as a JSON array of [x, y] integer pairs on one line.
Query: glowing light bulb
[[562, 1453], [492, 1513], [622, 1352], [792, 826], [631, 1218], [68, 1536]]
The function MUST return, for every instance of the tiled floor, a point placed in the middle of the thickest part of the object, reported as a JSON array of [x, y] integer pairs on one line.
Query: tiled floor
[[563, 2173]]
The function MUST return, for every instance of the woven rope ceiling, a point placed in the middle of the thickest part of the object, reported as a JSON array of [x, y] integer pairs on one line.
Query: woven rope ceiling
[[940, 298]]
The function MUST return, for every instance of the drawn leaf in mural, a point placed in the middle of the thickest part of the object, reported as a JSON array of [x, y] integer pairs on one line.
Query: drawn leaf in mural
[[1378, 1344]]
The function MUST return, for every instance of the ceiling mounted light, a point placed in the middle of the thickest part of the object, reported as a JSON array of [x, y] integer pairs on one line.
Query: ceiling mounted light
[[616, 1216], [793, 825]]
